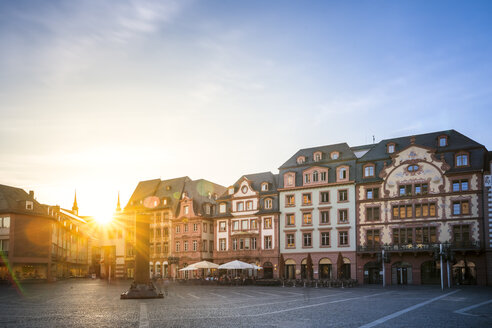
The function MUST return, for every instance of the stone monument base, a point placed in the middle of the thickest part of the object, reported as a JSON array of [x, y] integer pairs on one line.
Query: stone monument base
[[140, 291]]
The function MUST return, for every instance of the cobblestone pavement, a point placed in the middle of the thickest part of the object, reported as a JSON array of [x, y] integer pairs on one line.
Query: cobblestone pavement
[[94, 303]]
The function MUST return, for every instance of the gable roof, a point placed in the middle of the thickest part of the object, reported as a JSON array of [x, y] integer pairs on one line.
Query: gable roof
[[14, 199]]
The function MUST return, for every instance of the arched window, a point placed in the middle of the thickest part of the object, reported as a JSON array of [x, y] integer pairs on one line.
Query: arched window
[[462, 159], [334, 155], [368, 170], [315, 176], [301, 159]]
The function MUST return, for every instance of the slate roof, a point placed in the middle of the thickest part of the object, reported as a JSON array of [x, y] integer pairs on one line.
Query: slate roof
[[13, 200], [200, 190], [345, 151]]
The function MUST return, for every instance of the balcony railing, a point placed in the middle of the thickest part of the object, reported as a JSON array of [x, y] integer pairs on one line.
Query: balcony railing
[[419, 247]]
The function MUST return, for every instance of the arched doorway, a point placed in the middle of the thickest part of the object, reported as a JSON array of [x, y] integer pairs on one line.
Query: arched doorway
[[401, 273], [165, 269], [157, 270], [372, 273], [430, 272], [151, 269], [345, 269], [267, 270], [325, 268], [464, 273], [290, 269]]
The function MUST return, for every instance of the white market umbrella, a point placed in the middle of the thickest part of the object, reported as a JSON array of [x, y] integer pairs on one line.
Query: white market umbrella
[[256, 267], [235, 265], [205, 265], [188, 268]]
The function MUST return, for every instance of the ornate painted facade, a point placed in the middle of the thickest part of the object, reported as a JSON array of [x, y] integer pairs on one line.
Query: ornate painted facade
[[413, 194]]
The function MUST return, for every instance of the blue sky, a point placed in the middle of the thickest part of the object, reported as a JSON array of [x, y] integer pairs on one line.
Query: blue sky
[[98, 95]]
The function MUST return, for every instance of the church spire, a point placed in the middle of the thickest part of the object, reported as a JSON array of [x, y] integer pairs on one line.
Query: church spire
[[75, 208], [118, 207]]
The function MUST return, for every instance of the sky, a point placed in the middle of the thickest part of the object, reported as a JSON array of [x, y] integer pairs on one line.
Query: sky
[[96, 95]]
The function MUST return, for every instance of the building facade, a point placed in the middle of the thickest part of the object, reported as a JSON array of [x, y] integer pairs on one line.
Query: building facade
[[247, 222], [413, 195], [317, 205], [488, 217]]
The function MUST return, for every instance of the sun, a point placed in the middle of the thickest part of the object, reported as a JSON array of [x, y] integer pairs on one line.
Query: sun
[[103, 215]]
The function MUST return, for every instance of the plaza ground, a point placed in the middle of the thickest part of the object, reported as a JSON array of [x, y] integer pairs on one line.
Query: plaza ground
[[94, 303]]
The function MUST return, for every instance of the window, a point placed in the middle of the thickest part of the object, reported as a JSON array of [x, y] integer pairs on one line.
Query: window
[[290, 200], [249, 205], [317, 157], [268, 223], [212, 228], [264, 186], [254, 224], [443, 141], [324, 217], [461, 207], [372, 213], [324, 197], [178, 229], [307, 178], [421, 189], [222, 244], [306, 239], [343, 238], [186, 209], [402, 236], [253, 243], [315, 176], [222, 207], [460, 185], [369, 171], [462, 159], [334, 155], [300, 160], [343, 216], [268, 242], [234, 244], [425, 210], [461, 234], [342, 173], [372, 237], [178, 246], [390, 148], [204, 227], [239, 206], [231, 190], [166, 248], [405, 190], [402, 211], [222, 226], [325, 239], [195, 227], [323, 176], [343, 195], [246, 243], [185, 228], [204, 246], [244, 225], [235, 225], [211, 246], [195, 245], [207, 209], [307, 218], [372, 193], [29, 205], [290, 220], [5, 222], [268, 203], [185, 244], [425, 235], [289, 179], [290, 240], [306, 199]]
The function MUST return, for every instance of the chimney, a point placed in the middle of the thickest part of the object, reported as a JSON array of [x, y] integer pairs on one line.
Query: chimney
[[31, 194]]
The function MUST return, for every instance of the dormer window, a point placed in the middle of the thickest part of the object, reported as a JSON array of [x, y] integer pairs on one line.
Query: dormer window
[[268, 203], [186, 209], [342, 173], [29, 205], [168, 188], [315, 176], [307, 178], [264, 186], [231, 190], [443, 141], [390, 148], [244, 189], [164, 201], [222, 208], [215, 196], [317, 156], [289, 179], [368, 170], [301, 159], [334, 155], [462, 159]]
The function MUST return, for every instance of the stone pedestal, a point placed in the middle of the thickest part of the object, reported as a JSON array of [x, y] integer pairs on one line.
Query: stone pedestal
[[142, 287]]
